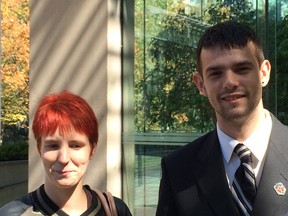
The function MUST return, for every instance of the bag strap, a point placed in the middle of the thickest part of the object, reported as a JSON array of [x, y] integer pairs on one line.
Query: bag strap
[[111, 203], [107, 202]]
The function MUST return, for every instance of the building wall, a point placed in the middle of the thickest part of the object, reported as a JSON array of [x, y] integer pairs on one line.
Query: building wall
[[69, 50]]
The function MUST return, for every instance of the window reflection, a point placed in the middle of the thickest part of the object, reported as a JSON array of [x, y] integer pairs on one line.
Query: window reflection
[[168, 110]]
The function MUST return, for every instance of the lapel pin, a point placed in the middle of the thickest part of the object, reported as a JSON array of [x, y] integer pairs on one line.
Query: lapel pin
[[280, 189]]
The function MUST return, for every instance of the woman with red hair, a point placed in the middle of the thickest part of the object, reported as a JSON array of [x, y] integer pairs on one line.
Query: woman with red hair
[[66, 130]]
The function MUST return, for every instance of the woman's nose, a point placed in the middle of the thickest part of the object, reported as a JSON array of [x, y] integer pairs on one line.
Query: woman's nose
[[63, 155]]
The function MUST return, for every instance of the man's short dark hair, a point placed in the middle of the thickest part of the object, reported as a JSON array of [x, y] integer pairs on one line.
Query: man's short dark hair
[[228, 35]]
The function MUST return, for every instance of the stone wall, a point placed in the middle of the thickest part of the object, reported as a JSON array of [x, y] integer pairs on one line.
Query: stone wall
[[13, 180]]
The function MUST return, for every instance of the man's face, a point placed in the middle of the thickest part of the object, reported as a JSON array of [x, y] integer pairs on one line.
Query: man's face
[[232, 80]]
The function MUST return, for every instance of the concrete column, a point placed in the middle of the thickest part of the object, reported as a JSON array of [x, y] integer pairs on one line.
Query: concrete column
[[69, 50]]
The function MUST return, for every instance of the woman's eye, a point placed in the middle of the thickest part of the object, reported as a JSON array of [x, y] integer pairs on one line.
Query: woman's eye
[[75, 146], [52, 146]]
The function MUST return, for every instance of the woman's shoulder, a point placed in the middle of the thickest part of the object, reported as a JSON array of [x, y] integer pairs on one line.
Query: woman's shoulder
[[18, 207], [122, 208]]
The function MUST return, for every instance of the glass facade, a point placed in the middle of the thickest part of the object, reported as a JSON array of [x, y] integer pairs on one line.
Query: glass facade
[[162, 108]]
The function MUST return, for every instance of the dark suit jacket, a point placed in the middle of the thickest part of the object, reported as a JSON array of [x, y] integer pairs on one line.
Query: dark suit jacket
[[194, 182]]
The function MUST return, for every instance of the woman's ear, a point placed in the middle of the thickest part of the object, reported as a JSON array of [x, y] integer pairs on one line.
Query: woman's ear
[[93, 150], [198, 80], [39, 148]]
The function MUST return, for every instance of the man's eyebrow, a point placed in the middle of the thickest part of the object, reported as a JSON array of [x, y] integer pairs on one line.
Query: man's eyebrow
[[214, 68], [221, 67], [246, 62]]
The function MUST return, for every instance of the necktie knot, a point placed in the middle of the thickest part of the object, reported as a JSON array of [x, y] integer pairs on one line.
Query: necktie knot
[[243, 153]]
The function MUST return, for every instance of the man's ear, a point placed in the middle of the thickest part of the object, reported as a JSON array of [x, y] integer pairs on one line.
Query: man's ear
[[198, 80], [265, 72]]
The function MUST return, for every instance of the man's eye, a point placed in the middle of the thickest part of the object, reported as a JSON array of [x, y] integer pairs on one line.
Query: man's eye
[[243, 70], [215, 74]]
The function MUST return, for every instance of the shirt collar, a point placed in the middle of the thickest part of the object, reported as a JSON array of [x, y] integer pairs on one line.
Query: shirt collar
[[257, 142], [227, 144]]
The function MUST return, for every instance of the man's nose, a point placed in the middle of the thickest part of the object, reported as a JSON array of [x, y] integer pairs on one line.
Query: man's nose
[[231, 80]]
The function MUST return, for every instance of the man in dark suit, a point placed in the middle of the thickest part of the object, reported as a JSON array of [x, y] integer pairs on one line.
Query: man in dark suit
[[200, 178]]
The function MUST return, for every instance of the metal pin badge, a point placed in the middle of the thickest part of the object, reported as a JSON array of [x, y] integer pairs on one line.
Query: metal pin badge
[[280, 189]]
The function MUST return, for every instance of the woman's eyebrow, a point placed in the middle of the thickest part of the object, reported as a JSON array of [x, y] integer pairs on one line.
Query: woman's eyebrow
[[50, 141]]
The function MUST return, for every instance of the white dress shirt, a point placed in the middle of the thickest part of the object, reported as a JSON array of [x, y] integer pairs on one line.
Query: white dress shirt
[[257, 142]]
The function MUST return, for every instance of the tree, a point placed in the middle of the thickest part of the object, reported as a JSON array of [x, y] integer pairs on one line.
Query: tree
[[241, 11], [171, 101], [282, 65], [172, 98], [14, 64]]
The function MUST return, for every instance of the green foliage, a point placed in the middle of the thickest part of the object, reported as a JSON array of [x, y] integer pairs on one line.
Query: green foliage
[[173, 100], [241, 11], [166, 98], [282, 65], [17, 151]]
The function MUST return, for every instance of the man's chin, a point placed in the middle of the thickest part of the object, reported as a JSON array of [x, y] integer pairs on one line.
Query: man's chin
[[235, 115]]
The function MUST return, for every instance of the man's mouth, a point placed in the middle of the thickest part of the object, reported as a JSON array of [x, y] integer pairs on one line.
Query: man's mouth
[[232, 97]]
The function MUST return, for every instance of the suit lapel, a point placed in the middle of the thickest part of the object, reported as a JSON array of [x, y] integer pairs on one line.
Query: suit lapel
[[275, 170], [212, 179]]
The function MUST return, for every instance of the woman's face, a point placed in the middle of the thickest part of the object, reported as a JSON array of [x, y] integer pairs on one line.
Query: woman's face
[[65, 157]]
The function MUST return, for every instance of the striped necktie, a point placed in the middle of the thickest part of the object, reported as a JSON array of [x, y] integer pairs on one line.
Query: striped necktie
[[244, 183]]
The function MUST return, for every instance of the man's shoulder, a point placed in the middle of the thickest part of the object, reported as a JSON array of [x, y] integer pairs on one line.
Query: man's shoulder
[[279, 135], [277, 123], [279, 130], [192, 149]]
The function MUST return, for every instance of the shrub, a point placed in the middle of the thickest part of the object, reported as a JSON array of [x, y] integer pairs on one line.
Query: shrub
[[14, 152]]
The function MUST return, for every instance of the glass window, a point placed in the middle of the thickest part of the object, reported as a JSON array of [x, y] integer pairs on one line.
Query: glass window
[[162, 107]]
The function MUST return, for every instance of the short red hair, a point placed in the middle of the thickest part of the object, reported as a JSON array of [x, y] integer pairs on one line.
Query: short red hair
[[65, 110]]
